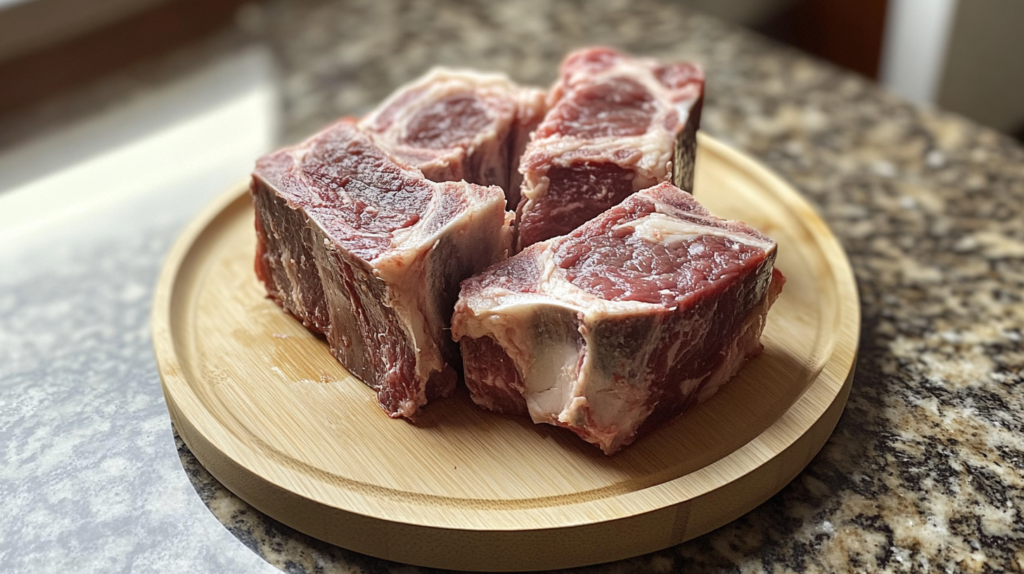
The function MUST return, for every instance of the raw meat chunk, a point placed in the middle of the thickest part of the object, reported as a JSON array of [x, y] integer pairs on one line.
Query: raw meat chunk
[[369, 253], [614, 125], [622, 324], [460, 125]]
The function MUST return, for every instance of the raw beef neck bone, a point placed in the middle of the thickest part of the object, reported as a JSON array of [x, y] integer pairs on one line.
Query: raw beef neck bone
[[460, 125], [614, 125], [621, 325], [364, 250]]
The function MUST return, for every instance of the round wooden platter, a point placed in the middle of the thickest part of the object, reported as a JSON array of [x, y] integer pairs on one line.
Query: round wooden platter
[[264, 406]]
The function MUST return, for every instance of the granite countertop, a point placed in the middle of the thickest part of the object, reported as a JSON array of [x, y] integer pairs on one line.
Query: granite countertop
[[925, 469]]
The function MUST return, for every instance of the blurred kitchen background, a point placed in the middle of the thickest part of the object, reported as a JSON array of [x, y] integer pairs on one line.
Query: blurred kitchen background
[[82, 82]]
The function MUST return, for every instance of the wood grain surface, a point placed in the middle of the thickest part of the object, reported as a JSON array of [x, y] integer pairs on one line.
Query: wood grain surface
[[264, 406]]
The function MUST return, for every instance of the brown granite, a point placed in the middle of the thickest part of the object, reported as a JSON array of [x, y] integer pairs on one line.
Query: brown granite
[[925, 471]]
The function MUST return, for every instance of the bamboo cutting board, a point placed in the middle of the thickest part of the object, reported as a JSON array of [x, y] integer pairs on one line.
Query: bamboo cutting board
[[264, 406]]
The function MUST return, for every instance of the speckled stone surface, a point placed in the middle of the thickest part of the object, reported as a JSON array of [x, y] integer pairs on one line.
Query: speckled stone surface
[[925, 471], [89, 477]]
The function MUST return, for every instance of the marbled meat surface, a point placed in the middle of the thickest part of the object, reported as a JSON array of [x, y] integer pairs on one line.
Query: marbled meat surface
[[614, 125], [363, 249], [460, 125], [622, 324]]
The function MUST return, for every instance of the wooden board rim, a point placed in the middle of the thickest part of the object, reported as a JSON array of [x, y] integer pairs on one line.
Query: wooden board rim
[[795, 441]]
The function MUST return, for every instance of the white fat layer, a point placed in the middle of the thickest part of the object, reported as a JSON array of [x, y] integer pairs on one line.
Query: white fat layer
[[496, 310], [554, 289], [402, 267], [664, 229]]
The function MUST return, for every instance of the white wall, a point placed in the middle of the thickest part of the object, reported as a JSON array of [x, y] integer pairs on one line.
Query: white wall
[[965, 56], [914, 47], [984, 72]]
